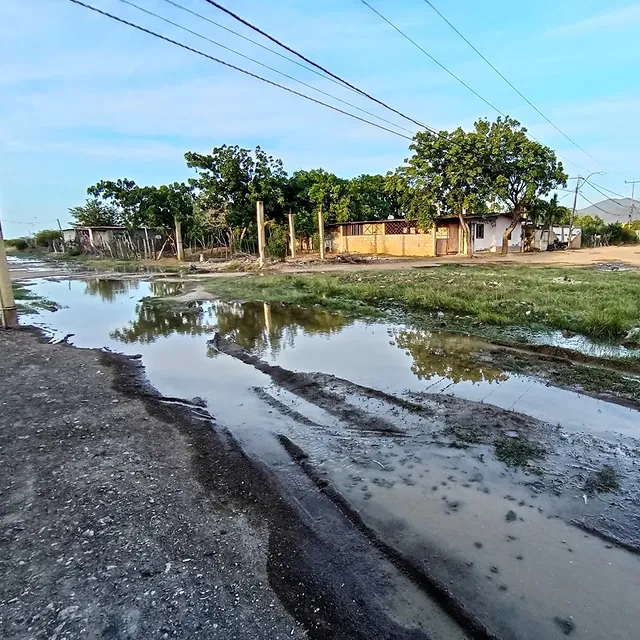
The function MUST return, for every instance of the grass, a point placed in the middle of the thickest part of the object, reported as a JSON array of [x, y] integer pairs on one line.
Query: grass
[[601, 305]]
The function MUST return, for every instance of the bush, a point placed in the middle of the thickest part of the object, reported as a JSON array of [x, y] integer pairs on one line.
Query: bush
[[277, 242], [47, 238], [21, 244]]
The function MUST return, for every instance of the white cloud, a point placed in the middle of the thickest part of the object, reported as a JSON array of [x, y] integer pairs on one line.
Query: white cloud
[[623, 18]]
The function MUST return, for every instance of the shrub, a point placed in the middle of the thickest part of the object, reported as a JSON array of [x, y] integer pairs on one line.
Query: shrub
[[47, 237], [20, 244], [277, 242]]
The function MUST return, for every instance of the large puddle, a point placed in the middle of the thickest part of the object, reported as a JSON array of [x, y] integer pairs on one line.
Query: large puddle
[[392, 358], [340, 390]]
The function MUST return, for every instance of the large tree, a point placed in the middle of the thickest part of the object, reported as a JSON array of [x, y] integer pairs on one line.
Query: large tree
[[231, 179], [445, 173], [95, 213], [518, 170]]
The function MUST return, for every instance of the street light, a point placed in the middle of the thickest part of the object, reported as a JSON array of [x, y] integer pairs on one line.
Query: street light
[[575, 202]]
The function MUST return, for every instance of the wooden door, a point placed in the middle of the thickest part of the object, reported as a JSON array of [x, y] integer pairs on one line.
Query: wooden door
[[442, 240], [453, 243]]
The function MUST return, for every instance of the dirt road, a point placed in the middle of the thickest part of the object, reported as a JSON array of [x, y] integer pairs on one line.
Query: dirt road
[[125, 515]]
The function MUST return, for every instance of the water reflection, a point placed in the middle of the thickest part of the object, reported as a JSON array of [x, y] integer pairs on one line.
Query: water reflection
[[154, 319], [110, 289], [260, 327], [446, 355], [161, 289]]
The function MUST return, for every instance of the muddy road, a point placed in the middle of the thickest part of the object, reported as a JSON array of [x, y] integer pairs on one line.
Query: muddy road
[[441, 493]]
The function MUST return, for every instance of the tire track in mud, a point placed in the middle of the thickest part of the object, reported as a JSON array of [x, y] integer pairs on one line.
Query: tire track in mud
[[430, 585], [313, 388]]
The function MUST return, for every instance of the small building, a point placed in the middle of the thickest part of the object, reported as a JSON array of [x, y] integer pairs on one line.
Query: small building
[[542, 238], [402, 237]]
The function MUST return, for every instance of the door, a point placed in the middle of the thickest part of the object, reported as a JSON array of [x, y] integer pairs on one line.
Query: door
[[453, 243], [442, 239]]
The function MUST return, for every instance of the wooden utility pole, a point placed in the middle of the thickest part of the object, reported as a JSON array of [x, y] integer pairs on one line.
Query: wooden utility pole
[[261, 238], [8, 313], [321, 232], [292, 234]]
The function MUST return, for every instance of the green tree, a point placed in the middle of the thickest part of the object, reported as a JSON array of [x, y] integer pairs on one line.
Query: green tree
[[231, 179], [95, 213], [517, 170], [446, 171]]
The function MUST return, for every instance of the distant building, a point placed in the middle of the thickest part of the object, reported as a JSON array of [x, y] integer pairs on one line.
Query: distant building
[[401, 237]]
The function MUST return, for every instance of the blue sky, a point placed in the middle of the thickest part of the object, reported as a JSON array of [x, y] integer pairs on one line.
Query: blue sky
[[85, 98]]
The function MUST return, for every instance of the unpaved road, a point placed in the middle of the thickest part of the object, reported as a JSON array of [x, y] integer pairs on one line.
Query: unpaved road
[[123, 515]]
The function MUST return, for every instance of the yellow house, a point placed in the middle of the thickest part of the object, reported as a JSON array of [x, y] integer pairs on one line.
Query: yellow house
[[402, 237]]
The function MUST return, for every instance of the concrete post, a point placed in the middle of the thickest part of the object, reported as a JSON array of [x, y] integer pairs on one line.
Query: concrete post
[[261, 237], [8, 313], [179, 245], [292, 235], [321, 232]]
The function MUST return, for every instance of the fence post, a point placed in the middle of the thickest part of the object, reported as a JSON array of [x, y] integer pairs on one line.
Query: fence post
[[321, 232], [179, 246], [261, 237], [292, 235], [8, 313]]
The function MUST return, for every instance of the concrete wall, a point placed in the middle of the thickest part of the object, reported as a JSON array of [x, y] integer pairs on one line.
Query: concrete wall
[[493, 232], [406, 244]]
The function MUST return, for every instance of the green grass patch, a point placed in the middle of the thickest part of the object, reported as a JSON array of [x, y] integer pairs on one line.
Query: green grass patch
[[601, 305]]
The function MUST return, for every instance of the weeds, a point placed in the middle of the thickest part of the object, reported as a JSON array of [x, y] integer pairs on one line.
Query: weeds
[[604, 481], [518, 452]]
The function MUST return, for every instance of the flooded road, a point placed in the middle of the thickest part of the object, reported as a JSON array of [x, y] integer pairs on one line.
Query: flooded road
[[465, 475]]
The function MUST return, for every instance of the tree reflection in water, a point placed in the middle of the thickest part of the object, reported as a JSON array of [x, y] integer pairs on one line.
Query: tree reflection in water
[[260, 327], [446, 355], [110, 288], [155, 318]]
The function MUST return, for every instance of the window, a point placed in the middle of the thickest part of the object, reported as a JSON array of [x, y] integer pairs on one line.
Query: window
[[480, 231]]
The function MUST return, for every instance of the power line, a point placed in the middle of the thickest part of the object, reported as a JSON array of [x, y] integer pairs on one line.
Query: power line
[[266, 66], [533, 106], [258, 44], [236, 68], [462, 82], [426, 53], [593, 186], [617, 215], [315, 64]]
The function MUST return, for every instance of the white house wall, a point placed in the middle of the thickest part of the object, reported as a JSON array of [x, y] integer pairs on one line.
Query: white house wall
[[493, 231]]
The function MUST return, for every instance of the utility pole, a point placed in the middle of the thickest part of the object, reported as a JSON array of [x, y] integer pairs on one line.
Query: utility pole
[[8, 312], [575, 203], [573, 212], [633, 184]]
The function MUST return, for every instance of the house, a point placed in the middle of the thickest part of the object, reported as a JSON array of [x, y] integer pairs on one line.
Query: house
[[402, 237], [119, 242]]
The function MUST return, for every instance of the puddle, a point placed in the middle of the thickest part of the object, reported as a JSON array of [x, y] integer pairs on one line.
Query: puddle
[[531, 577], [394, 359]]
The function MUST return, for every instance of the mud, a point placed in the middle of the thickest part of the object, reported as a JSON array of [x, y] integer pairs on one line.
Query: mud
[[463, 491]]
